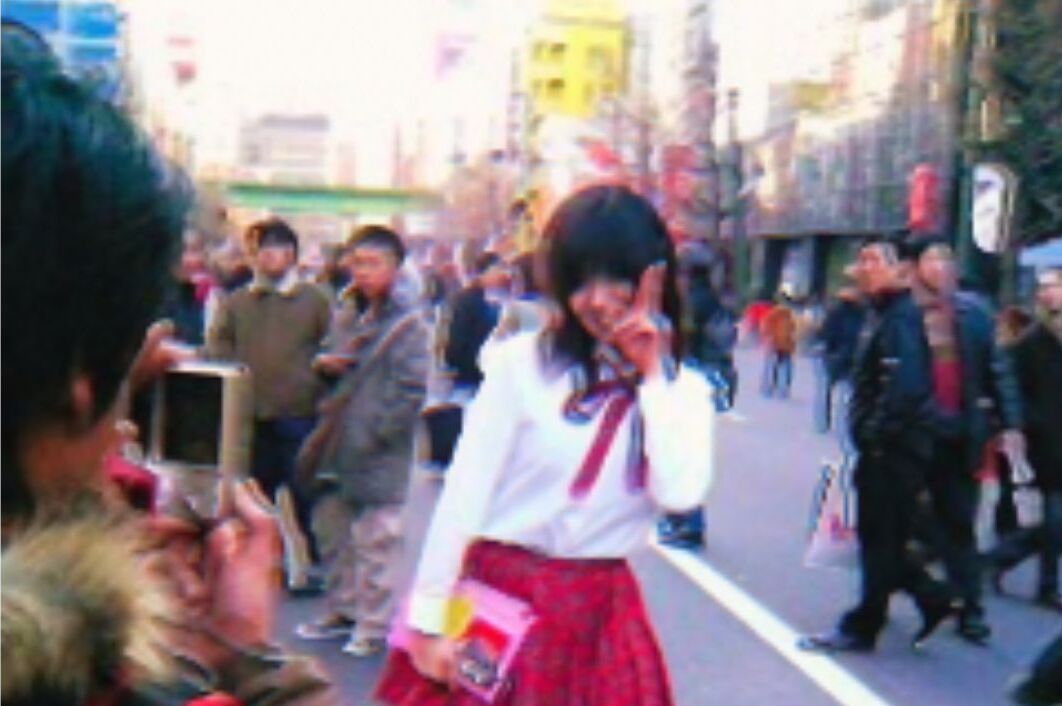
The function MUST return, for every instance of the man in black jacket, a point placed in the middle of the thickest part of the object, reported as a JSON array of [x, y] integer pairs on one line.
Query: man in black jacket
[[890, 417], [974, 393], [1038, 362]]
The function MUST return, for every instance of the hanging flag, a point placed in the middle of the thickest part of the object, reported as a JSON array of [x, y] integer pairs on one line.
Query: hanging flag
[[450, 50]]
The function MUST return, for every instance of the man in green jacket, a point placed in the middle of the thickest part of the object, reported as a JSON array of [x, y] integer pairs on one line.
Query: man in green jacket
[[275, 325]]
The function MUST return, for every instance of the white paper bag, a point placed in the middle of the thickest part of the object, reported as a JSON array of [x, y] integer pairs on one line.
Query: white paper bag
[[833, 541], [1029, 502]]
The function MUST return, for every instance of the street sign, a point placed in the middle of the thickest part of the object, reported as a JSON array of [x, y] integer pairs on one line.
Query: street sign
[[994, 189]]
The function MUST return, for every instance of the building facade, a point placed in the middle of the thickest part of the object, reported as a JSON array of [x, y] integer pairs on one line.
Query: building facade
[[861, 140], [85, 36], [575, 56]]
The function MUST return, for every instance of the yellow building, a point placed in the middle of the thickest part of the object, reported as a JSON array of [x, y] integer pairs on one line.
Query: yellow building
[[576, 55]]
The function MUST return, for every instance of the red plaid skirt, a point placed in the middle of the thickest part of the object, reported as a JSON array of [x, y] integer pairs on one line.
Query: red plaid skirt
[[591, 645]]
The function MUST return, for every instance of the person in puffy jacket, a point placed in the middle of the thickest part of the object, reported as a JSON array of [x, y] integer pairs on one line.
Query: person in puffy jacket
[[778, 331]]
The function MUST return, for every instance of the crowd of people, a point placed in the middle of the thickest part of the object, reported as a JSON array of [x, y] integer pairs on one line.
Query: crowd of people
[[569, 398], [932, 394]]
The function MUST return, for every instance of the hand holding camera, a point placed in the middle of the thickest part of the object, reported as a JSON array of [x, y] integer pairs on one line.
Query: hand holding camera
[[225, 574], [217, 543]]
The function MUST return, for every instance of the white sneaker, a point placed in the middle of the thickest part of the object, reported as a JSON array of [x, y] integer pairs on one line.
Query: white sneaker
[[329, 627], [364, 646]]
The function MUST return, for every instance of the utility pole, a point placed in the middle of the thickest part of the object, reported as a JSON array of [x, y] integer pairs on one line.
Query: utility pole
[[979, 269], [701, 211], [645, 147], [738, 200]]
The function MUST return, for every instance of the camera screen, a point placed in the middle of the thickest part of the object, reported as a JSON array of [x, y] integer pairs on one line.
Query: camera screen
[[191, 429]]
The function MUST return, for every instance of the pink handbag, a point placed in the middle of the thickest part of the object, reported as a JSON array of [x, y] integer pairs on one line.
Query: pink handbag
[[489, 627]]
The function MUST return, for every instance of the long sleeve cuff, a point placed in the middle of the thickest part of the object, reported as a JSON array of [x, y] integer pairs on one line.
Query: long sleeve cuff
[[679, 421], [427, 613]]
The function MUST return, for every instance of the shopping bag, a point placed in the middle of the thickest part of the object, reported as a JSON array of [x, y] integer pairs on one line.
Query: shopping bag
[[833, 542], [488, 626], [1029, 506]]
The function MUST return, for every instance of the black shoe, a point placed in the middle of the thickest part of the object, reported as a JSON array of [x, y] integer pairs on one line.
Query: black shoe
[[835, 642], [312, 586], [1029, 691], [1050, 600], [683, 540], [973, 628], [681, 532], [328, 627], [931, 620]]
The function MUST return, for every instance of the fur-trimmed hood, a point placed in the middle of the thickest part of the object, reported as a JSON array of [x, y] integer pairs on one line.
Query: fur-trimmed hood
[[79, 613]]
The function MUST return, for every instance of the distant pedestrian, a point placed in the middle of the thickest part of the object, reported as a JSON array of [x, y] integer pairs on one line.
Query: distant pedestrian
[[335, 275], [474, 316], [536, 506], [231, 267], [526, 308], [186, 303], [378, 350], [778, 331], [837, 340], [752, 320], [274, 325], [710, 330], [891, 424], [711, 326], [1001, 517], [1038, 362]]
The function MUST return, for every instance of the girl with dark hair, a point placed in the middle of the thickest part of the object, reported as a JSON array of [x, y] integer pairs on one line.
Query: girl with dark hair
[[579, 436]]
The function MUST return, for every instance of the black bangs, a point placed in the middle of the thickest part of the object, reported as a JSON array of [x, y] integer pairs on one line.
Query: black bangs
[[603, 231]]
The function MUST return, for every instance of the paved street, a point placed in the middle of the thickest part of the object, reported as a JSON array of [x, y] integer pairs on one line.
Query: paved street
[[726, 616]]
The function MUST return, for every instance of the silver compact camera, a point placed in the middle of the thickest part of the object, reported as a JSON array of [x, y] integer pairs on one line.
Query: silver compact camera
[[202, 427]]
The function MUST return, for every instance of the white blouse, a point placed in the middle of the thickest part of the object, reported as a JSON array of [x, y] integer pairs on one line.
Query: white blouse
[[517, 458]]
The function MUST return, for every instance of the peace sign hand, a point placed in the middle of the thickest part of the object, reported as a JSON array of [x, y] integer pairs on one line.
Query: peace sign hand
[[643, 336]]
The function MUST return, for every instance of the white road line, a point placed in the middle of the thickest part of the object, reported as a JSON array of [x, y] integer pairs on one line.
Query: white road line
[[734, 416], [821, 669]]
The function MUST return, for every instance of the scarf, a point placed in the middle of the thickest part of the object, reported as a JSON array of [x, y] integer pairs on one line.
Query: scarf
[[614, 393]]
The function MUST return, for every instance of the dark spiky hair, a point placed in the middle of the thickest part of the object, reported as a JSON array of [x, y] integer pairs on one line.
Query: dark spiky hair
[[92, 219]]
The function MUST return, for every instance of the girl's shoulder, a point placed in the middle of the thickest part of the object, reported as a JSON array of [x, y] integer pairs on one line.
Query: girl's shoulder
[[518, 353]]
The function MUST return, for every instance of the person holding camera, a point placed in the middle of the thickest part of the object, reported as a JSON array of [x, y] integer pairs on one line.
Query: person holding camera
[[98, 606], [378, 352], [275, 325]]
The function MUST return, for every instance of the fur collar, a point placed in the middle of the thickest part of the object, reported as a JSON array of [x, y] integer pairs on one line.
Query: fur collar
[[80, 614]]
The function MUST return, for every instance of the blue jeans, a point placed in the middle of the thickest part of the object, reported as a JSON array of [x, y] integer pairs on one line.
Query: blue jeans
[[777, 374]]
